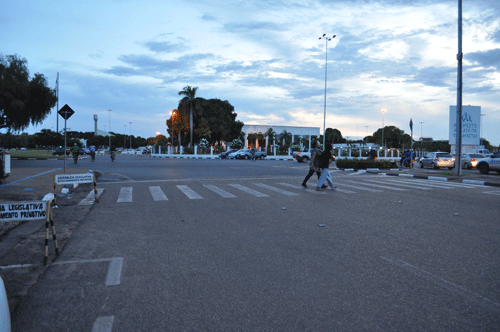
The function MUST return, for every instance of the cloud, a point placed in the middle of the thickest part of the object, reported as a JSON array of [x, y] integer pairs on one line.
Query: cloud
[[165, 46], [432, 76], [488, 59], [253, 26], [208, 17]]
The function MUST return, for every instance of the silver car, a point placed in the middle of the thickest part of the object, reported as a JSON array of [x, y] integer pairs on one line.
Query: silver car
[[437, 159]]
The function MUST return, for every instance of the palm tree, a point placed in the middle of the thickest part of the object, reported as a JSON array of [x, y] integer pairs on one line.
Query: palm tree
[[270, 134], [189, 94]]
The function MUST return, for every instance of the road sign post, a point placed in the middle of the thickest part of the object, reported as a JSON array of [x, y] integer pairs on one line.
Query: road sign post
[[66, 112]]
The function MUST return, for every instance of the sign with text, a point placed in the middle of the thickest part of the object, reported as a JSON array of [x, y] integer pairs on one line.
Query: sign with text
[[23, 211], [74, 178], [471, 125]]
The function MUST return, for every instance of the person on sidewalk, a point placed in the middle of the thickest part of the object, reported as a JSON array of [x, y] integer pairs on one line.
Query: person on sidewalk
[[324, 160], [313, 167]]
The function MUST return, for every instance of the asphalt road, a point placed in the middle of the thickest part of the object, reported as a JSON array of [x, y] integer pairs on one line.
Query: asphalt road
[[215, 245]]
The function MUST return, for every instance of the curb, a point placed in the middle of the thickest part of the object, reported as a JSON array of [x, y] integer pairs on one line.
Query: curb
[[484, 183]]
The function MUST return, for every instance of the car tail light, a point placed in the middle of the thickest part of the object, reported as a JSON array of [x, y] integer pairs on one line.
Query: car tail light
[[473, 160], [437, 158]]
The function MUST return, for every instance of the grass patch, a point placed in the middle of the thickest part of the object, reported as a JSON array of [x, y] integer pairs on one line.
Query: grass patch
[[32, 154], [453, 174]]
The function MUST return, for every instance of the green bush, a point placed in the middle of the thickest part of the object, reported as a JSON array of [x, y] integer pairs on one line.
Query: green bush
[[364, 163], [189, 150]]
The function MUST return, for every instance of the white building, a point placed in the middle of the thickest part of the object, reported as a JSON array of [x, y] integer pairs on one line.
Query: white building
[[304, 132]]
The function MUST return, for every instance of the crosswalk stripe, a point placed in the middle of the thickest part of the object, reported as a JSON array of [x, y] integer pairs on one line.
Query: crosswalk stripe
[[442, 184], [219, 191], [421, 183], [248, 190], [377, 185], [158, 194], [125, 195], [410, 185], [302, 188], [345, 191], [90, 198], [190, 193], [358, 187], [278, 190], [492, 192]]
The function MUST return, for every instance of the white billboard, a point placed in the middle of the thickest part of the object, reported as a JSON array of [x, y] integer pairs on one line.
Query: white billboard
[[471, 125]]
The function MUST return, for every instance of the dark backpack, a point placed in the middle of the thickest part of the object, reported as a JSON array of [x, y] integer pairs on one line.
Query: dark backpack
[[319, 161]]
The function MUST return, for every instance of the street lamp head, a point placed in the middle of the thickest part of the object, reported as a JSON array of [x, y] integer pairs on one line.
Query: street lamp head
[[334, 36], [324, 34]]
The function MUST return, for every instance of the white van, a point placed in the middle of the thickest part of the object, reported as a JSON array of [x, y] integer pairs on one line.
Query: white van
[[485, 152]]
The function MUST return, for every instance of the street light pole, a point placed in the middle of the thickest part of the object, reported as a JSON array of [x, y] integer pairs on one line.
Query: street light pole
[[109, 132], [383, 111], [421, 135], [125, 136], [326, 66], [130, 135]]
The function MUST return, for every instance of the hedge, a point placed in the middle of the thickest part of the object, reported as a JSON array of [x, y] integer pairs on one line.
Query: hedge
[[364, 163]]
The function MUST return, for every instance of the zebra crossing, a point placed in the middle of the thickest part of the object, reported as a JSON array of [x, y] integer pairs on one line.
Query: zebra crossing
[[347, 186]]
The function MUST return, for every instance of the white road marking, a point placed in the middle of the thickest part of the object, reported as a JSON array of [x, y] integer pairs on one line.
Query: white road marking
[[103, 324], [302, 188], [90, 198], [248, 190], [377, 185], [422, 183], [114, 272], [190, 193], [125, 195], [358, 187], [114, 269], [219, 191], [344, 191], [414, 186], [281, 191], [158, 194], [492, 192], [464, 292]]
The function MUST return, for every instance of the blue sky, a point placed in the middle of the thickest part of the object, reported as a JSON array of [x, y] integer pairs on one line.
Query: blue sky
[[264, 57]]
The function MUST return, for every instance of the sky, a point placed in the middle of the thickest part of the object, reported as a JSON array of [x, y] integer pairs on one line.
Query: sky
[[265, 58]]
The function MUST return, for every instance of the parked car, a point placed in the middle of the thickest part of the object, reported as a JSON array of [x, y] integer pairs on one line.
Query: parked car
[[488, 164], [128, 151], [437, 159], [303, 156], [247, 154], [4, 309], [485, 152], [469, 160], [496, 154], [60, 152], [232, 155], [225, 154]]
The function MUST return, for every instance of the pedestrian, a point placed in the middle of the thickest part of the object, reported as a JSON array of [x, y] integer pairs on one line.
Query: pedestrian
[[324, 158], [313, 167]]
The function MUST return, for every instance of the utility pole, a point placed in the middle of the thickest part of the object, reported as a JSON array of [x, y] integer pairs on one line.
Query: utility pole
[[460, 55]]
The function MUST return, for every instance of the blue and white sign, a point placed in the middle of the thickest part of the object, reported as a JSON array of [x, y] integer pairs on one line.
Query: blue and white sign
[[471, 125]]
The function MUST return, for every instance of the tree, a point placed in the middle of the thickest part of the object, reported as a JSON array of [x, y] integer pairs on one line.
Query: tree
[[22, 101], [47, 137], [286, 137], [334, 136], [270, 134], [393, 137], [177, 124], [189, 102]]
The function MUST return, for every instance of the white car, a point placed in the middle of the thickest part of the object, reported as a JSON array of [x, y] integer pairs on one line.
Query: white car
[[4, 309], [128, 151], [233, 155], [488, 164]]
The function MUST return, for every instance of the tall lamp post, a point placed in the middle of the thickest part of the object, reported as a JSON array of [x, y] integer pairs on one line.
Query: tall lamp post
[[125, 136], [130, 135], [421, 135], [327, 39], [383, 111], [109, 132]]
